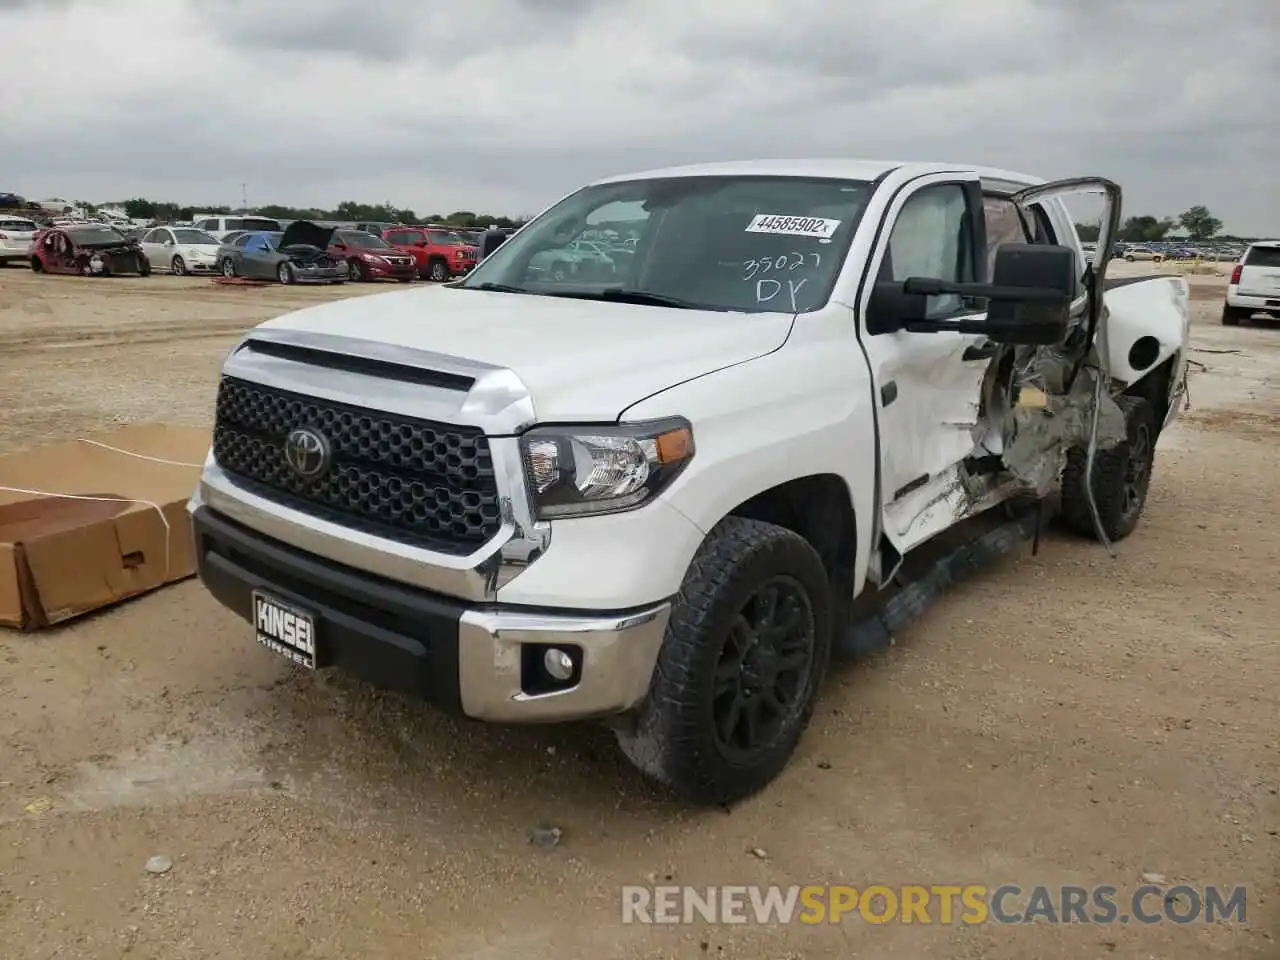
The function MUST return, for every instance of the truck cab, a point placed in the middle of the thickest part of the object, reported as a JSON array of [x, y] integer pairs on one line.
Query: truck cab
[[651, 495]]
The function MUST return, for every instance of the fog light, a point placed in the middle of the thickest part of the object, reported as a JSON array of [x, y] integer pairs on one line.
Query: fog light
[[558, 664]]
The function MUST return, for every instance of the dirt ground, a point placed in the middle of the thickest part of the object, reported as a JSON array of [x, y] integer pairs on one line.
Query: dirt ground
[[1063, 718]]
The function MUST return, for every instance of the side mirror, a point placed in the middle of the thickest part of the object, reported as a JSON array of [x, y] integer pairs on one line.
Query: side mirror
[[1028, 300]]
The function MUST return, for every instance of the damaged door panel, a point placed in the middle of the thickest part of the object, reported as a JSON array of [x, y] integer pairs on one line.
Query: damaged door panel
[[934, 381]]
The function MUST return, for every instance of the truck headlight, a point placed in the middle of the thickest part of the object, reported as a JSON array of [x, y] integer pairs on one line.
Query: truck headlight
[[580, 470]]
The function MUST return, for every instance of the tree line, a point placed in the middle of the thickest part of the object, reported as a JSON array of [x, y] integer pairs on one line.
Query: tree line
[[140, 208], [1199, 223]]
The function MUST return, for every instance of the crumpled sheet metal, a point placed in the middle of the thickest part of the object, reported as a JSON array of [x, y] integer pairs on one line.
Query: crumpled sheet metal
[[1047, 421]]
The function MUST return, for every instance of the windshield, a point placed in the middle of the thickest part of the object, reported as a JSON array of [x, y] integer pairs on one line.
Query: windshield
[[446, 237], [743, 243], [194, 236], [354, 238], [95, 235], [252, 223]]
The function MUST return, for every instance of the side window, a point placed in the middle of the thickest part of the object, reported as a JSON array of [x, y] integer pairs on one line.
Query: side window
[[932, 238], [243, 240], [208, 224], [396, 238], [1006, 223], [152, 236]]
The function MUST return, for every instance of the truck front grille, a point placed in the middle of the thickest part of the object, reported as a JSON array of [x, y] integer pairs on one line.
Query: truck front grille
[[418, 482]]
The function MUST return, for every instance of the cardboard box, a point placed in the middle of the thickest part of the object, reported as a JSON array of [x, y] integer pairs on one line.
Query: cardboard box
[[89, 522]]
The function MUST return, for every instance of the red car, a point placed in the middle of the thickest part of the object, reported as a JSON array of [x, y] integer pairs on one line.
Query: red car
[[439, 254], [371, 258], [88, 249]]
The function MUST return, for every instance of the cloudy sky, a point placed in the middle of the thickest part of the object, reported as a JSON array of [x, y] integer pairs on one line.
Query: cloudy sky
[[505, 105]]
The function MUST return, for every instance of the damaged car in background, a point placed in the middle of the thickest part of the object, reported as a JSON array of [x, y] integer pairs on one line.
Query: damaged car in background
[[87, 249], [665, 497], [297, 254]]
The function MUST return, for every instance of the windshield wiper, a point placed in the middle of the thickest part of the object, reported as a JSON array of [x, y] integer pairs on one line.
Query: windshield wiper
[[495, 288], [627, 295]]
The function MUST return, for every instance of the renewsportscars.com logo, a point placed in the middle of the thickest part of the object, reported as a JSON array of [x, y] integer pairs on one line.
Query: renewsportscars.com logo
[[932, 904]]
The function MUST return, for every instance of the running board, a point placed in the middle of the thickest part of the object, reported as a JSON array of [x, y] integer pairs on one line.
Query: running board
[[875, 632]]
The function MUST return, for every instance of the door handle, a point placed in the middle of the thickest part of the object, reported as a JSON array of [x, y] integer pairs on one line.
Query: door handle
[[980, 351]]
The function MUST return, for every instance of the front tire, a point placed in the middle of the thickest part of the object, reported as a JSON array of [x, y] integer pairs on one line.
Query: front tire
[[1121, 477], [285, 273], [355, 271], [229, 268], [179, 267], [439, 271], [744, 655], [37, 265], [144, 267]]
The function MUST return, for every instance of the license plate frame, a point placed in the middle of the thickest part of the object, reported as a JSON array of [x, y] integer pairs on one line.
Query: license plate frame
[[280, 616]]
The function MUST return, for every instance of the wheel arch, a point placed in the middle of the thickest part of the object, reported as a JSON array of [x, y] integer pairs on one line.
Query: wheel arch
[[818, 507]]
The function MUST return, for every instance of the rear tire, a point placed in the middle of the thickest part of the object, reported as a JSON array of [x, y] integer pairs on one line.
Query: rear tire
[[1233, 316], [1121, 477], [743, 658]]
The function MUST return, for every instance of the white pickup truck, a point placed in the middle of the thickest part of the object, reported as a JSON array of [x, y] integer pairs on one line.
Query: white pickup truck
[[650, 491]]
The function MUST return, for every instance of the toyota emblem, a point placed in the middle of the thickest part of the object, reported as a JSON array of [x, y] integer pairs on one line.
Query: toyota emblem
[[307, 453]]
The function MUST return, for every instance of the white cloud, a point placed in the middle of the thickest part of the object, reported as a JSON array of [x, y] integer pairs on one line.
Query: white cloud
[[503, 105]]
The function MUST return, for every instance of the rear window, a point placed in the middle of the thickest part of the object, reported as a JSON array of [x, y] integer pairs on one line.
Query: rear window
[[1262, 257], [18, 226]]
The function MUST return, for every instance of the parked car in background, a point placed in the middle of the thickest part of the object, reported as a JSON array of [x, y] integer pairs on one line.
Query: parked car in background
[[10, 201], [374, 227], [439, 254], [581, 259], [219, 226], [1132, 253], [296, 255], [369, 257], [87, 249], [16, 234], [1254, 286], [181, 250]]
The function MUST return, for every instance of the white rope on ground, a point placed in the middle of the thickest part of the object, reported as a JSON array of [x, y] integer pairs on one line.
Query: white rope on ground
[[76, 496], [140, 456]]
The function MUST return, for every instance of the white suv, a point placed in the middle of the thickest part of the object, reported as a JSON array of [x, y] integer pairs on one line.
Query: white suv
[[1255, 284], [16, 234]]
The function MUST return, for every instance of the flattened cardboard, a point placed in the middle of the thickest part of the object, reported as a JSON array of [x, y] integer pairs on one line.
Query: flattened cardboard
[[93, 521]]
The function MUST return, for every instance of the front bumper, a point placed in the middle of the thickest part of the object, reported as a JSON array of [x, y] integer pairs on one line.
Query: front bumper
[[321, 274], [393, 271], [202, 266], [481, 660]]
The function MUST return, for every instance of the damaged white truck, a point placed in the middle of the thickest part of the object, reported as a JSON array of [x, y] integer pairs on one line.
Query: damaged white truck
[[662, 482]]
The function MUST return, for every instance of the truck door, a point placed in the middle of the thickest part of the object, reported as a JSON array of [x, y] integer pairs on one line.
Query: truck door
[[927, 386]]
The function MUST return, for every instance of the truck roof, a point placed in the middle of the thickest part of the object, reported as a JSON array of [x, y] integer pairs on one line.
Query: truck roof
[[851, 169]]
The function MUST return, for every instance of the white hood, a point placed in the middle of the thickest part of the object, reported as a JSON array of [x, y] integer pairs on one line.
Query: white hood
[[580, 359]]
